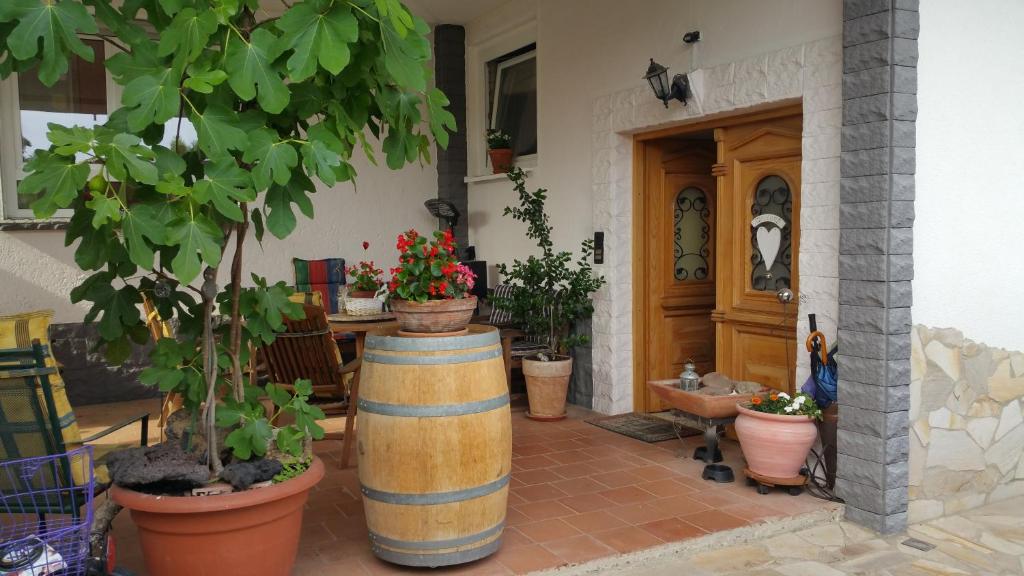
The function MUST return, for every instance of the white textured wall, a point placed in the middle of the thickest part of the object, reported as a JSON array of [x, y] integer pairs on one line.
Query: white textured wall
[[970, 170], [591, 56], [37, 271]]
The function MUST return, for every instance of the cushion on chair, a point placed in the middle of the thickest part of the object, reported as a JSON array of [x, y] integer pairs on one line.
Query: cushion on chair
[[501, 316], [325, 276], [18, 331]]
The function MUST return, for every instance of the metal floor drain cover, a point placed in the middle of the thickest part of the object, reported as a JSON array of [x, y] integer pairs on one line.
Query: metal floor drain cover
[[919, 544]]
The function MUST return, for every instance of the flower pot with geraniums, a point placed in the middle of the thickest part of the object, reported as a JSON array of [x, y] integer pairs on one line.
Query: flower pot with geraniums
[[776, 433], [549, 294], [429, 291], [499, 148], [271, 111], [367, 281]]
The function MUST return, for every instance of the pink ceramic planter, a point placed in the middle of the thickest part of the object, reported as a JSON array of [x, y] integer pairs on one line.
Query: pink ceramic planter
[[774, 445]]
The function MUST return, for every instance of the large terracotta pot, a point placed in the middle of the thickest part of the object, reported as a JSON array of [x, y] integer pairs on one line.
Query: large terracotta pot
[[774, 445], [434, 316], [547, 384], [501, 160], [249, 532]]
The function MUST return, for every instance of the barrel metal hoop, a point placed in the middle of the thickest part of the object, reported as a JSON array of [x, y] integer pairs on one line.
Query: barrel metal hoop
[[432, 344], [437, 544], [432, 411], [377, 358], [432, 498], [436, 560]]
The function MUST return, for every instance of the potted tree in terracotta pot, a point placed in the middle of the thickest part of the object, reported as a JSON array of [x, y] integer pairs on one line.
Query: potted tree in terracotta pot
[[274, 103], [499, 148], [549, 294], [776, 433], [429, 291]]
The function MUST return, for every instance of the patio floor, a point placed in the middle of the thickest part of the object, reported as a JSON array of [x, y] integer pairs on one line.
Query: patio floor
[[578, 493]]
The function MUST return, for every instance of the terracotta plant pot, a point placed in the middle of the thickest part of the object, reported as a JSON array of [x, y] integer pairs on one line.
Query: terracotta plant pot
[[434, 316], [547, 384], [501, 159], [774, 445], [248, 532]]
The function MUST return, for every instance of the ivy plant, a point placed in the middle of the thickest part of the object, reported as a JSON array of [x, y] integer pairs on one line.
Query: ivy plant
[[550, 292], [279, 96]]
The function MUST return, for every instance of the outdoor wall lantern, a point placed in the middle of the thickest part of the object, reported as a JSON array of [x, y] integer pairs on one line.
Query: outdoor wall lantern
[[657, 76]]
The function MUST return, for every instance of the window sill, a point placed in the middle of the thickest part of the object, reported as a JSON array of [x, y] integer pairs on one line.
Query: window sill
[[29, 224], [492, 177]]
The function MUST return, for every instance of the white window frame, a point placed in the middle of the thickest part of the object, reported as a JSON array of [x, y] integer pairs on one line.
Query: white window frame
[[532, 54], [10, 142]]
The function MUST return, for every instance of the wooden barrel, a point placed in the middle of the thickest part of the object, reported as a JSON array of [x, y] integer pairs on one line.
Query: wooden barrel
[[434, 446]]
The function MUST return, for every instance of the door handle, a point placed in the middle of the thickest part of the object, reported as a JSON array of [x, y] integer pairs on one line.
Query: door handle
[[784, 296]]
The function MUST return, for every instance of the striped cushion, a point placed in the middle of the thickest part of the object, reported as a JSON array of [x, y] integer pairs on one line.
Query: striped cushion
[[19, 331], [501, 316], [325, 276]]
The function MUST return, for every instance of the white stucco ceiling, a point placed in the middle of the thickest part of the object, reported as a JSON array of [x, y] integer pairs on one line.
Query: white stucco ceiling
[[451, 11]]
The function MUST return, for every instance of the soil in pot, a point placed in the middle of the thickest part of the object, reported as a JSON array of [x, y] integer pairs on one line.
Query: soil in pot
[[434, 316], [774, 445], [249, 532], [547, 384]]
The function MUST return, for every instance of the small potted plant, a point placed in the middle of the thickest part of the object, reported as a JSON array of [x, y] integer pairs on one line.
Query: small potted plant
[[549, 295], [429, 289], [499, 148], [777, 432], [367, 281]]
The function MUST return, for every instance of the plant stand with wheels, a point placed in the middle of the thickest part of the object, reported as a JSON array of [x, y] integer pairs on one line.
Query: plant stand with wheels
[[794, 486]]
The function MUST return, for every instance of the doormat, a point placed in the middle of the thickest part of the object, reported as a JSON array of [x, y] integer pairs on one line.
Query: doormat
[[641, 427]]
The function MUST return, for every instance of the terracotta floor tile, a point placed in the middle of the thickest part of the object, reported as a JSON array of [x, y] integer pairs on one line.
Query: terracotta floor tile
[[548, 530], [611, 464], [636, 514], [576, 470], [666, 487], [539, 476], [596, 521], [531, 450], [514, 517], [715, 520], [533, 462], [753, 512], [672, 529], [579, 549], [627, 495], [720, 498], [617, 478], [627, 539], [563, 445], [544, 510], [539, 493], [513, 537], [579, 486], [570, 457], [681, 505], [653, 472], [525, 559], [587, 502]]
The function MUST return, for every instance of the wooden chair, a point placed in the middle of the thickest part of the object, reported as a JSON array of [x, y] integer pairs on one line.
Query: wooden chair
[[306, 350], [34, 416], [515, 344]]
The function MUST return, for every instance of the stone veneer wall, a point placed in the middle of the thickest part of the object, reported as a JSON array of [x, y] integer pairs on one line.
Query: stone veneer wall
[[811, 73], [967, 426]]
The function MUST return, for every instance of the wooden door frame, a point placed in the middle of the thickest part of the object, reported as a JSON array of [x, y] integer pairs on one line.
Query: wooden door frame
[[641, 142]]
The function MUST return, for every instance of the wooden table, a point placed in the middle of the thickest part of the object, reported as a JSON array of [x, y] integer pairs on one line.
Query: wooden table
[[358, 325]]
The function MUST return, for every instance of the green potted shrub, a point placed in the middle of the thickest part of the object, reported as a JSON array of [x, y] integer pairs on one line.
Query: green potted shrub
[[499, 148], [276, 102], [550, 293]]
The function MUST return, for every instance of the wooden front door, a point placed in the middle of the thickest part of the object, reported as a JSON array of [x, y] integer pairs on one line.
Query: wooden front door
[[679, 260], [758, 174]]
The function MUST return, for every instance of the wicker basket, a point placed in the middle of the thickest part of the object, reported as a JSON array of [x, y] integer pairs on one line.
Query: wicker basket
[[363, 306]]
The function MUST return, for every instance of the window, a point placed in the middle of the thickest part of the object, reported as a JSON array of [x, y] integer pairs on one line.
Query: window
[[512, 98], [771, 235], [691, 239], [82, 97]]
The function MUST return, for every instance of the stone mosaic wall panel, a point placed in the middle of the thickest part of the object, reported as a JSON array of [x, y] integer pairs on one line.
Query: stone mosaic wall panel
[[967, 423]]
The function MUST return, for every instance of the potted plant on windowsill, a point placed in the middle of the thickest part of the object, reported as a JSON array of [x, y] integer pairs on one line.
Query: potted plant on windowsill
[[499, 148], [367, 281], [429, 291], [550, 293], [274, 106], [776, 433]]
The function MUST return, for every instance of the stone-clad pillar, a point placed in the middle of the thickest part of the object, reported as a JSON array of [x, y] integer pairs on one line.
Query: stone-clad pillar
[[450, 77], [876, 263]]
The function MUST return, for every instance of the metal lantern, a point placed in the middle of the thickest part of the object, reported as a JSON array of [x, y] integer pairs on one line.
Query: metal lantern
[[657, 77], [689, 380]]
